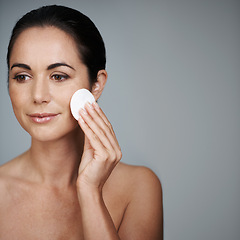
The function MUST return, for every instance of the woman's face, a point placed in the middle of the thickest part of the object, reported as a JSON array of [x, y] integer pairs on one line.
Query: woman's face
[[45, 71]]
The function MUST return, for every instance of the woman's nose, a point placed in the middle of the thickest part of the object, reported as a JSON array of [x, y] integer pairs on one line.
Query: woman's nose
[[40, 92]]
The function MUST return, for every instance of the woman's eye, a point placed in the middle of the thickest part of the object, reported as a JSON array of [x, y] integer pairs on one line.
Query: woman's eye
[[21, 78], [59, 77]]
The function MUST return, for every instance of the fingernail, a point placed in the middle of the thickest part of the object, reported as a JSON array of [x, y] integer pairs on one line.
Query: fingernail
[[83, 110], [81, 119], [96, 105], [90, 105]]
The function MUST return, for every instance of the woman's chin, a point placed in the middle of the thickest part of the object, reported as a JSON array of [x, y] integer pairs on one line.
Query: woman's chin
[[51, 134]]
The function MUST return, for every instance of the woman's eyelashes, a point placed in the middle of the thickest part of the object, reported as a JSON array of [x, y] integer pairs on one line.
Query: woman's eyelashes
[[21, 78], [60, 77]]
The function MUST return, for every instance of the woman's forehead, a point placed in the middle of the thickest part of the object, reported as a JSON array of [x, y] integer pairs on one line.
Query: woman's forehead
[[45, 43]]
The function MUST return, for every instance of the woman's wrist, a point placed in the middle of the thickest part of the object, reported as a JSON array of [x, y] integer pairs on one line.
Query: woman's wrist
[[88, 191]]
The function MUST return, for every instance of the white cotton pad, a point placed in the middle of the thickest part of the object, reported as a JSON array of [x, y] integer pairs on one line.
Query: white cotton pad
[[78, 101]]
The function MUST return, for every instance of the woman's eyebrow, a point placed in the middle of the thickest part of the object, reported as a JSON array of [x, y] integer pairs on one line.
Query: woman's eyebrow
[[52, 66], [55, 65], [20, 65]]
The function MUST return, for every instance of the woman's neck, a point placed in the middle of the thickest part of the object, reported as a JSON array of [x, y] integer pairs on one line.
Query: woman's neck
[[56, 162]]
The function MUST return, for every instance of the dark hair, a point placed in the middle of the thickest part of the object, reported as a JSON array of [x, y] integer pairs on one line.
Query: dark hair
[[86, 35]]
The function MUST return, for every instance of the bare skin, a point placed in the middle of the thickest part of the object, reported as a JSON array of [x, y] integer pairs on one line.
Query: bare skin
[[70, 183]]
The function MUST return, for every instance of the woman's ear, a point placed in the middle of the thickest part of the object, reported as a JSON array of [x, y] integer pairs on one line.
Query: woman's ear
[[99, 85]]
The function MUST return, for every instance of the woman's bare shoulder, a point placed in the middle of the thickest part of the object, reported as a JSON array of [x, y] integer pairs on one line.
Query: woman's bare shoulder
[[8, 169], [9, 173], [6, 179], [138, 179], [137, 173]]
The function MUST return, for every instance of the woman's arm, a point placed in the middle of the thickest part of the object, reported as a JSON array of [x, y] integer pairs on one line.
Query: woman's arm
[[143, 217], [100, 156], [97, 222]]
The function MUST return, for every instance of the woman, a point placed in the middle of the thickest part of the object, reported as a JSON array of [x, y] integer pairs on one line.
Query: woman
[[69, 184]]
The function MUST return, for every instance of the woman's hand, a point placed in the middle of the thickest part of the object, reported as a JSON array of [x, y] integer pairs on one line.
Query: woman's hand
[[101, 149]]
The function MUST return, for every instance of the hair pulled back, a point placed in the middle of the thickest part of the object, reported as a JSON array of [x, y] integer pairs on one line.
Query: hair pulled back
[[88, 40]]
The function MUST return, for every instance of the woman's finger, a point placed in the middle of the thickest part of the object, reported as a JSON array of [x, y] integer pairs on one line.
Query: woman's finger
[[103, 116], [94, 140], [100, 127]]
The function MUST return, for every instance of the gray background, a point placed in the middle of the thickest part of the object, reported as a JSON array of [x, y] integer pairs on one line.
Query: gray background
[[172, 97]]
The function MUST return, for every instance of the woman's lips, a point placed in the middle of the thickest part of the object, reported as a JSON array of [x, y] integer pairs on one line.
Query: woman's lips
[[42, 117]]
